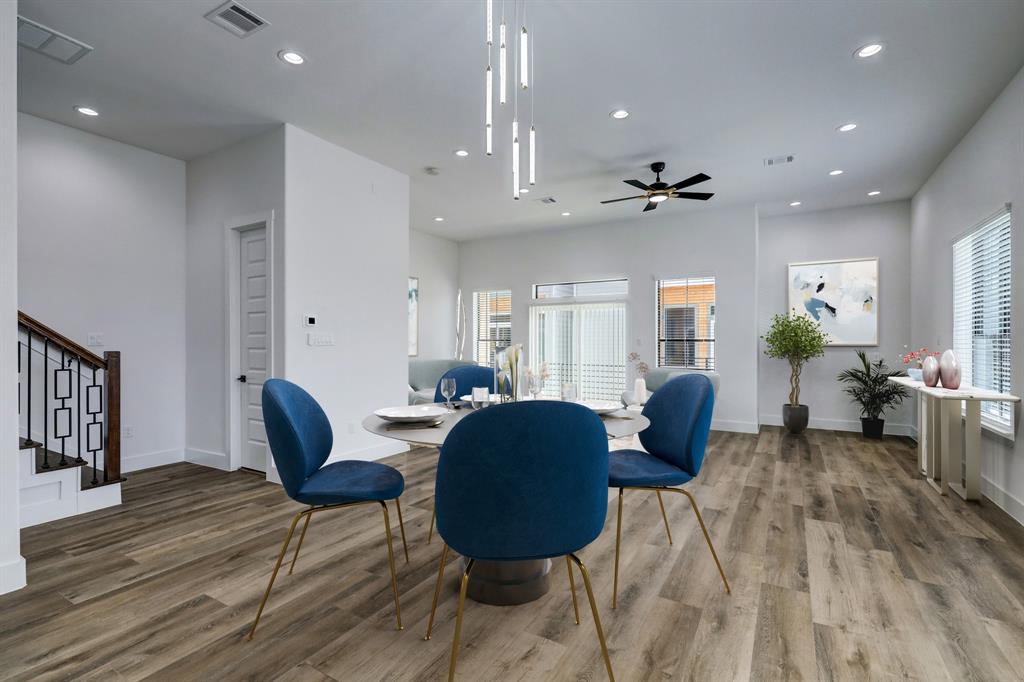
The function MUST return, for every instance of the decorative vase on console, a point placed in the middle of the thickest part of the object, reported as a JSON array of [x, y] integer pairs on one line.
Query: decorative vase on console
[[949, 370], [930, 371]]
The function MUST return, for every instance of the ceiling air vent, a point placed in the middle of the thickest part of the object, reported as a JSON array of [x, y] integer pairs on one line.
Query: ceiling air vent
[[547, 200], [50, 43], [779, 160], [237, 20]]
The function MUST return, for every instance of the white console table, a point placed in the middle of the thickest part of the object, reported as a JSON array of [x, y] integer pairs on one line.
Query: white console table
[[945, 445]]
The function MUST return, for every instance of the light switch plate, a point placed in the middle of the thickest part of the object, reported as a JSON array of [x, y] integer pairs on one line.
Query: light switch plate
[[319, 339], [94, 339], [309, 319]]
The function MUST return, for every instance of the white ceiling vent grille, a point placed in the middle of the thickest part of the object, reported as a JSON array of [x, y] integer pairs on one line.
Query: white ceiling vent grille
[[779, 160], [237, 20], [547, 200], [47, 42]]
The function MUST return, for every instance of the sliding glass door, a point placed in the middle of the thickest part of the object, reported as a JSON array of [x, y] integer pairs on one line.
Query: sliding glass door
[[583, 344]]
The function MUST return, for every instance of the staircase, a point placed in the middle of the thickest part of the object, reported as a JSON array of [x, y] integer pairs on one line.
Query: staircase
[[69, 423]]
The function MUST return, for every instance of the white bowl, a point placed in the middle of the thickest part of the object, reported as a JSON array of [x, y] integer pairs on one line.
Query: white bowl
[[412, 413]]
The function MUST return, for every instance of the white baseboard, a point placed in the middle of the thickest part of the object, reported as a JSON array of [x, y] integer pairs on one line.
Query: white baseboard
[[148, 460], [12, 575], [734, 426], [208, 458], [841, 425], [1003, 499]]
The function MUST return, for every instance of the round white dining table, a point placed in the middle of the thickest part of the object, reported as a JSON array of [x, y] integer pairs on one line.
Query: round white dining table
[[501, 583]]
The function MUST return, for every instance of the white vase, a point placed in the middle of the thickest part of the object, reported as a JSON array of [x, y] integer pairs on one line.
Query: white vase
[[949, 370], [640, 391]]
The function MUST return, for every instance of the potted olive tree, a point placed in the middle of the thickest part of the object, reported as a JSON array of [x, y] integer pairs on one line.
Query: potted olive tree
[[795, 338], [869, 386]]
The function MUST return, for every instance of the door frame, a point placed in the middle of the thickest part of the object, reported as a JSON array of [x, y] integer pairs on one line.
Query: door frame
[[233, 229]]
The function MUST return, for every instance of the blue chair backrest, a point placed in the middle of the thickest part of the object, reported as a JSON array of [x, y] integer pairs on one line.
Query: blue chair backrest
[[298, 431], [466, 378], [680, 414], [523, 480]]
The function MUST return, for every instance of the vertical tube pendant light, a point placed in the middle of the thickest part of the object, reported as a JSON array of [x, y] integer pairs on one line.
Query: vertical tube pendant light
[[523, 58], [489, 116], [502, 62], [490, 24], [533, 156], [515, 159]]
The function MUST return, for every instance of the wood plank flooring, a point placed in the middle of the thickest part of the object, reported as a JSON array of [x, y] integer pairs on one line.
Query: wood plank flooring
[[844, 564]]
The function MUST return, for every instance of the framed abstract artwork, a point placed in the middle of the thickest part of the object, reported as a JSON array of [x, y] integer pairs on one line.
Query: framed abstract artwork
[[840, 294], [414, 316]]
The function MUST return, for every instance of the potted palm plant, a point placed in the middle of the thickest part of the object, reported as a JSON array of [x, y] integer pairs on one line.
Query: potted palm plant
[[869, 387], [795, 338]]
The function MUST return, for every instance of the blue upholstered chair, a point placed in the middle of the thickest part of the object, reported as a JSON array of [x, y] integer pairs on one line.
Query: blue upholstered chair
[[522, 481], [680, 415], [300, 439], [466, 378]]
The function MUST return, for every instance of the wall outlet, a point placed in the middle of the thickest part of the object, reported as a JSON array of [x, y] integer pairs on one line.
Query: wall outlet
[[128, 431], [94, 339], [319, 339]]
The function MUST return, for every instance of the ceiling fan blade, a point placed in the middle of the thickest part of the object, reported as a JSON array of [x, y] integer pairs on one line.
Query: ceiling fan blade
[[638, 185], [650, 206], [692, 180], [612, 201], [702, 196]]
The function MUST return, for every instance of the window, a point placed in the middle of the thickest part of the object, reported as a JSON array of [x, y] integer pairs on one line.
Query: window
[[583, 344], [607, 287], [981, 313], [492, 324], [686, 322]]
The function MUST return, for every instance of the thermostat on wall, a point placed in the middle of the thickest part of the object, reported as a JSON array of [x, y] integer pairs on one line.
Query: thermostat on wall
[[309, 320]]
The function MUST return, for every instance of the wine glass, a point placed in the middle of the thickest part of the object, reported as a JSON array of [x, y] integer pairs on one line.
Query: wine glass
[[536, 386], [448, 390]]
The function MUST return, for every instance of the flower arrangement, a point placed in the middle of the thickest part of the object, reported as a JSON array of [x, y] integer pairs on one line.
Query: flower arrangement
[[916, 357], [510, 370], [641, 367]]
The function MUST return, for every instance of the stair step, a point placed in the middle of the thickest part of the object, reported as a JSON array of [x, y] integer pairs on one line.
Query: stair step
[[54, 460], [87, 477], [26, 443]]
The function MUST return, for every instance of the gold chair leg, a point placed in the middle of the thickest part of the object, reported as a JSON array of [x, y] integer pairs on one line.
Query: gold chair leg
[[298, 547], [700, 520], [664, 517], [437, 589], [597, 618], [572, 589], [277, 567], [458, 619], [618, 540], [401, 526], [391, 562], [430, 532]]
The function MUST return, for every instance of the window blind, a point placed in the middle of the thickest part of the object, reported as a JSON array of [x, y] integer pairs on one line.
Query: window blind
[[981, 312], [583, 344], [492, 324], [686, 322]]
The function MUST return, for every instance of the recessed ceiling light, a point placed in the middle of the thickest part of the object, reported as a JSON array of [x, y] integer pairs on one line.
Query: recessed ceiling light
[[874, 193], [291, 57], [461, 152], [835, 172], [847, 127], [869, 50], [566, 213], [86, 111], [619, 114], [438, 219], [794, 203], [524, 190]]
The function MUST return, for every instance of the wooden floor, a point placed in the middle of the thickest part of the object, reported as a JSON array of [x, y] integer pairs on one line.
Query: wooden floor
[[844, 565]]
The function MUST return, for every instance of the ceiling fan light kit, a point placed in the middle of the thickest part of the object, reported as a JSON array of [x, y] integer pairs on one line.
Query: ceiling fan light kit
[[659, 191]]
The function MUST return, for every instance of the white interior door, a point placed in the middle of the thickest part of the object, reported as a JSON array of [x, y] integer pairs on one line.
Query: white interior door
[[255, 351]]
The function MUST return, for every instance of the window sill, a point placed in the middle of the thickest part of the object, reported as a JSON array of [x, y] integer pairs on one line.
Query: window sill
[[1003, 431]]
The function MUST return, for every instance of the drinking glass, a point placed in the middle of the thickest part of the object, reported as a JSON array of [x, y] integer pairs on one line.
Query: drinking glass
[[448, 390], [569, 392], [536, 386]]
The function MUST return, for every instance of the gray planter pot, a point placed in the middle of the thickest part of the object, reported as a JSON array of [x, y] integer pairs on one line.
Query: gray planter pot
[[795, 417]]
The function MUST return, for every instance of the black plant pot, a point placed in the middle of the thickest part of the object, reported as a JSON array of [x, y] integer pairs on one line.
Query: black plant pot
[[872, 428], [795, 417]]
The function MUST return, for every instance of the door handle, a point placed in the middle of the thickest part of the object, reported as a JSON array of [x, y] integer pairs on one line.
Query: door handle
[[242, 379]]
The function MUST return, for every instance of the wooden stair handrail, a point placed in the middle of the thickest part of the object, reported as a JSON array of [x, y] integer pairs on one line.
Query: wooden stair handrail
[[61, 340]]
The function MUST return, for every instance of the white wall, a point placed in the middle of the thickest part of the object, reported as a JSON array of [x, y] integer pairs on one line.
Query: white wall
[[347, 261], [435, 261], [719, 242], [876, 230], [12, 565], [242, 180], [984, 172], [101, 248]]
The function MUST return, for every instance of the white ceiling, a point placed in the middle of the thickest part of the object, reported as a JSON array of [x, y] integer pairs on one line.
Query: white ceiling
[[711, 86]]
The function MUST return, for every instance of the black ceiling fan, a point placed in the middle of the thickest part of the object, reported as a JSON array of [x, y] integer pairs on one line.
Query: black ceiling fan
[[659, 191]]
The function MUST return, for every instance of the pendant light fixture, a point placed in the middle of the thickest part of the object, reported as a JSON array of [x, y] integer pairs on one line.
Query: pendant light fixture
[[533, 131], [489, 88], [502, 57]]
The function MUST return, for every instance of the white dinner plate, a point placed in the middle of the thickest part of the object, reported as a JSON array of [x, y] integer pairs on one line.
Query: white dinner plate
[[412, 413], [601, 406], [494, 398]]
